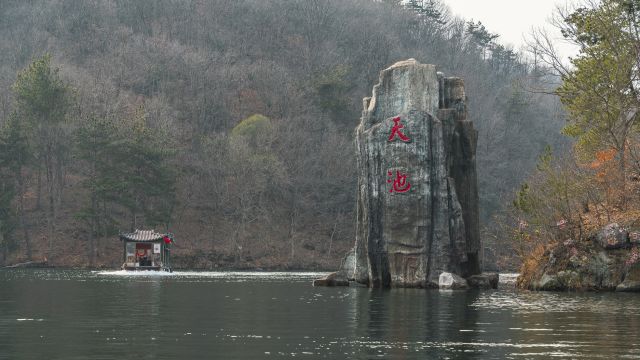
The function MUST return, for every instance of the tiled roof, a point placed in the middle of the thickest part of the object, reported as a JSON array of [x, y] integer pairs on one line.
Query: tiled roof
[[142, 235]]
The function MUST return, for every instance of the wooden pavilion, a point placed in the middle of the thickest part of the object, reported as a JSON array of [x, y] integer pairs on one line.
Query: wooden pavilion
[[146, 250]]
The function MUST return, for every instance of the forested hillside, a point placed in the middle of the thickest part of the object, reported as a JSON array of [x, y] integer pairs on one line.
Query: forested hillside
[[229, 123]]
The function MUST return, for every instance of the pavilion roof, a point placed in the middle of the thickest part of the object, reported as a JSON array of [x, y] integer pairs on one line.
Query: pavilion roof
[[143, 235]]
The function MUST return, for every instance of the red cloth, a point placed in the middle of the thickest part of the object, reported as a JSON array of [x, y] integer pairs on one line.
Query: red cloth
[[167, 240]]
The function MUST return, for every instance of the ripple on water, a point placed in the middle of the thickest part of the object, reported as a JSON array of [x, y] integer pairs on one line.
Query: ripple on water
[[554, 302], [281, 315], [220, 275]]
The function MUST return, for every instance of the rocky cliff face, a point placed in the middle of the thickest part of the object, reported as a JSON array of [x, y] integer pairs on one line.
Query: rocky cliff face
[[417, 212], [606, 260]]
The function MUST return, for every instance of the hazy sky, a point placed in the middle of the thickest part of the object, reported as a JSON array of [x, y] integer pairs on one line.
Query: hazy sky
[[512, 19]]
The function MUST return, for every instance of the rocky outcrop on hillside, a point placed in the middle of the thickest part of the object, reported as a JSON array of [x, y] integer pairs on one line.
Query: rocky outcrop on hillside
[[417, 210], [608, 260]]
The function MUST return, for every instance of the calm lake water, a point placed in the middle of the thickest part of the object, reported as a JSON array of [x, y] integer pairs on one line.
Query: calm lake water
[[54, 314]]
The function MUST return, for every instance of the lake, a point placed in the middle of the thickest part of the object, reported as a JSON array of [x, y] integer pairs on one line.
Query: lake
[[71, 314]]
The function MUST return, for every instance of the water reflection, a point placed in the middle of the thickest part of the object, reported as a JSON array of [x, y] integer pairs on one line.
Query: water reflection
[[90, 315], [399, 323]]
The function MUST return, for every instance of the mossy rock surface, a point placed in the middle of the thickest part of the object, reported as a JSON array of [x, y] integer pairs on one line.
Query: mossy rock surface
[[582, 266]]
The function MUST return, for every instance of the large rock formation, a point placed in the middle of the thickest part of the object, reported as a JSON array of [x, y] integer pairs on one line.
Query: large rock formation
[[417, 188]]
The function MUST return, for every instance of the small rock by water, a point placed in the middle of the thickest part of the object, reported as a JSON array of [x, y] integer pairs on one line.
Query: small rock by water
[[484, 281], [333, 279], [450, 281], [631, 281]]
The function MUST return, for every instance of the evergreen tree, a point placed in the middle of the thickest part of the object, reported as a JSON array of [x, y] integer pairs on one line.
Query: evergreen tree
[[146, 180], [480, 36], [430, 10], [15, 154], [601, 92], [43, 102], [95, 143]]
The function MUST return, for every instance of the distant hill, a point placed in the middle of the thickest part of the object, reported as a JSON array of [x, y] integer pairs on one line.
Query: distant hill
[[277, 190]]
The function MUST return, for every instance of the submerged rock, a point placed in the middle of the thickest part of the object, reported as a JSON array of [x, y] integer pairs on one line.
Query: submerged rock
[[631, 281], [333, 279], [563, 280], [484, 281], [417, 210], [449, 281], [548, 282], [628, 286]]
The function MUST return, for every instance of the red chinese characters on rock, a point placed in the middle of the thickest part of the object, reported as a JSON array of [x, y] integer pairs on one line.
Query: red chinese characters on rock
[[395, 130], [400, 183]]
